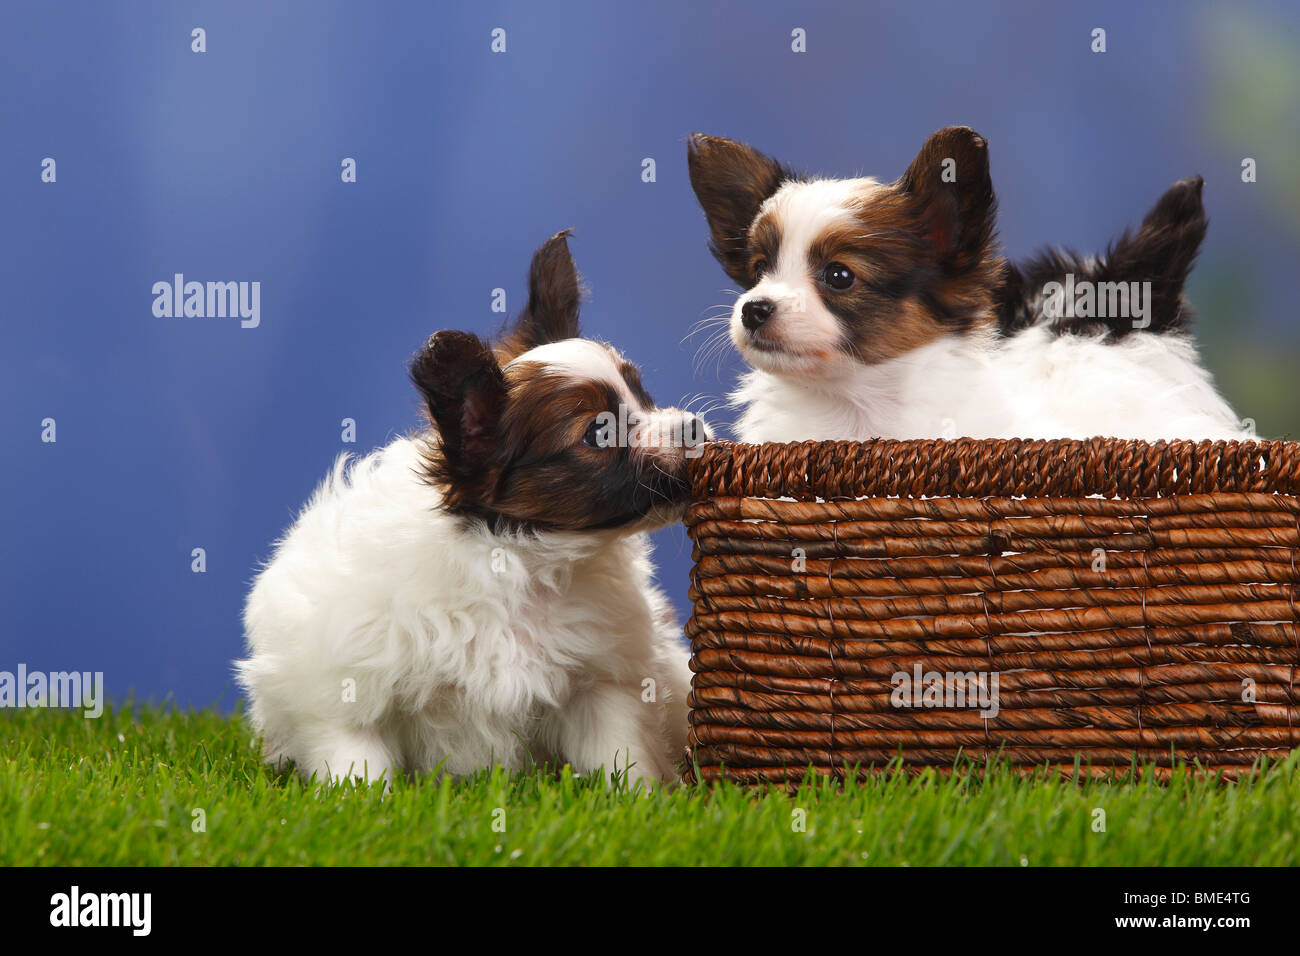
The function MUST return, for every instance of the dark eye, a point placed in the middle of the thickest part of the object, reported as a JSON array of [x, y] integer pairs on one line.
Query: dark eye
[[595, 436], [760, 267], [838, 276]]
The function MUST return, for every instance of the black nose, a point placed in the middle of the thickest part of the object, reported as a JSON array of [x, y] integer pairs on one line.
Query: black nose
[[755, 312]]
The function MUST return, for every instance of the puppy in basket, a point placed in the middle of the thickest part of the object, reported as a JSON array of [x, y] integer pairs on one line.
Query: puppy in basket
[[884, 309]]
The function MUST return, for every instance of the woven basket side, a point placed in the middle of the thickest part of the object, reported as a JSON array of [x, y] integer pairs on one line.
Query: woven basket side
[[1010, 467], [1135, 604]]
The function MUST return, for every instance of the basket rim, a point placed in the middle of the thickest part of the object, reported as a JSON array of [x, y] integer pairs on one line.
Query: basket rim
[[1007, 467]]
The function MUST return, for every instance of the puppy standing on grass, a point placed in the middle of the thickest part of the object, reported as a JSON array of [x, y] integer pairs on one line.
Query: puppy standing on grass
[[883, 310], [482, 593]]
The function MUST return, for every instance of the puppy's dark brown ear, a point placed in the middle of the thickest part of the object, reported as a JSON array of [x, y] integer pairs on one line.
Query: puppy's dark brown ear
[[1162, 252], [554, 292], [465, 391], [731, 181], [950, 182]]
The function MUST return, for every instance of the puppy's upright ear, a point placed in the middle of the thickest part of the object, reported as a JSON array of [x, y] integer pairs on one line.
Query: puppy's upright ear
[[950, 183], [465, 391], [554, 292], [731, 181], [1162, 252]]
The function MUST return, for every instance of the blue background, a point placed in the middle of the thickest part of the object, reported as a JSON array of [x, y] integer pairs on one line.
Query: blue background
[[182, 433]]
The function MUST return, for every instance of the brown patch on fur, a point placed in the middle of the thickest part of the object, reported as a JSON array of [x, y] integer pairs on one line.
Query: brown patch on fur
[[632, 377], [551, 408], [764, 244], [912, 327], [545, 475], [923, 251], [527, 465]]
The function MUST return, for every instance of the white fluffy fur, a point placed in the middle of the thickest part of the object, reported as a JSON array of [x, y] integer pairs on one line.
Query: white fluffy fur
[[1033, 385], [466, 648]]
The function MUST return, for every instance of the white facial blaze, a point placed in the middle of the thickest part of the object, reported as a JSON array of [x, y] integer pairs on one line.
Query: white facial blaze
[[580, 360], [802, 333]]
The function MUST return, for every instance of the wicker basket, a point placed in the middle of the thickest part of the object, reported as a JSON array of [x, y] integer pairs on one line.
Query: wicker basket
[[1115, 602]]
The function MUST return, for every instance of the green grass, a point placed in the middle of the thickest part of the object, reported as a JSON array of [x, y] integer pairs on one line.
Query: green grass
[[123, 790]]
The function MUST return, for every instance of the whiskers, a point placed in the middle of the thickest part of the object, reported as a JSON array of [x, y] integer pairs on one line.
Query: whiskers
[[706, 407], [716, 326], [658, 496], [893, 236]]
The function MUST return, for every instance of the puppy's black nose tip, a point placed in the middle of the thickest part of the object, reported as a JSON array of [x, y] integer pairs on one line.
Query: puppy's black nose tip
[[755, 312]]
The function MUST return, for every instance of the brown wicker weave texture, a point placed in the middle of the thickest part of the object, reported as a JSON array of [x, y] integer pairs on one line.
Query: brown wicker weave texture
[[1136, 602]]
